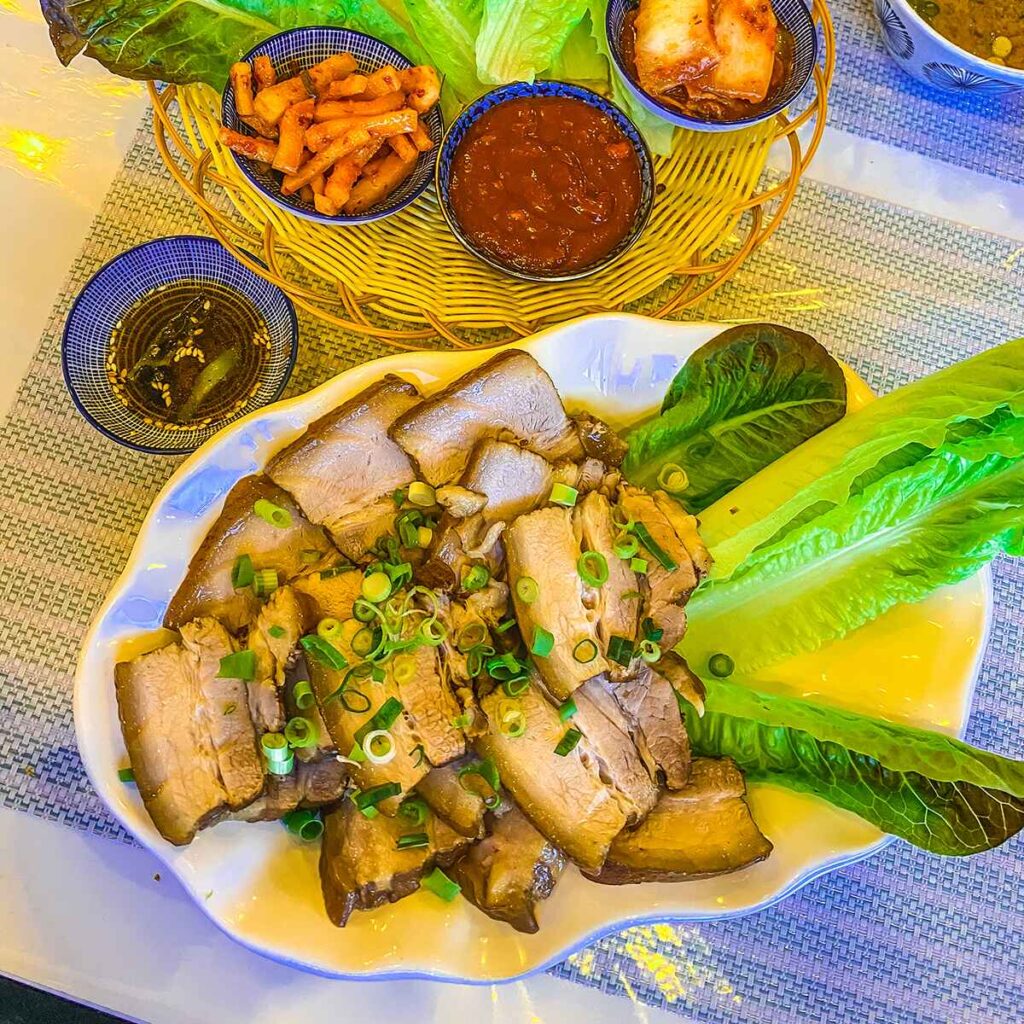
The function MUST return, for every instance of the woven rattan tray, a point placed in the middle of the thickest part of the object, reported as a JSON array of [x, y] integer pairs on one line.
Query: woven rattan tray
[[404, 280]]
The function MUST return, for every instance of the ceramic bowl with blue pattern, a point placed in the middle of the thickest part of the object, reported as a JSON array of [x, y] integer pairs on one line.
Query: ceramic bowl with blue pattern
[[297, 50], [793, 15], [931, 58], [518, 90], [116, 287]]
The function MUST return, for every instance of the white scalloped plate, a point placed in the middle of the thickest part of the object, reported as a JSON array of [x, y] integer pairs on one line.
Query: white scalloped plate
[[261, 886]]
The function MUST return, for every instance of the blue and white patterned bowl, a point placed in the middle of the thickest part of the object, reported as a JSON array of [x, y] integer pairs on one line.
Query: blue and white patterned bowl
[[298, 49], [516, 90], [931, 58], [116, 287], [793, 15]]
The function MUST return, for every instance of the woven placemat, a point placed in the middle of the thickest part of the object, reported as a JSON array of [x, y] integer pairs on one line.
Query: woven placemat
[[903, 937]]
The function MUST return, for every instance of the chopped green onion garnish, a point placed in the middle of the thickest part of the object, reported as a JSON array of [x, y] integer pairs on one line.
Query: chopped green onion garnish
[[398, 572], [264, 582], [412, 841], [363, 642], [568, 742], [516, 686], [273, 514], [403, 668], [664, 559], [470, 636], [651, 630], [424, 535], [352, 700], [721, 665], [377, 587], [277, 631], [304, 824], [543, 642], [487, 771], [527, 590], [240, 665], [375, 794], [415, 809], [593, 568], [626, 545], [620, 649], [567, 710], [357, 753], [441, 885], [398, 497], [409, 535], [504, 627], [324, 651], [463, 721], [383, 718], [585, 651], [418, 754], [336, 570], [302, 692], [433, 632], [329, 629], [631, 595], [309, 556], [300, 732], [125, 775], [474, 663], [639, 565], [649, 651], [275, 746], [622, 525], [242, 572], [422, 494], [379, 747], [364, 611], [230, 708], [563, 494], [370, 812], [476, 578], [673, 478], [513, 723], [281, 767]]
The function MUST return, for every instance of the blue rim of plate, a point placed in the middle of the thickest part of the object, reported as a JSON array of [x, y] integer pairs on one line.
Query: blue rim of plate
[[152, 449], [797, 10], [544, 87], [400, 60]]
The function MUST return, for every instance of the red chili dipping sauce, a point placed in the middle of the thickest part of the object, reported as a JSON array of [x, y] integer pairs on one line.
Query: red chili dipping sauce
[[545, 184]]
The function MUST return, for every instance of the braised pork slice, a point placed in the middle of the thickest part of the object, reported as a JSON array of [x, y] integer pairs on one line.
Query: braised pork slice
[[273, 637], [649, 703], [188, 733], [543, 547], [606, 730], [429, 704], [361, 867], [616, 604], [311, 784], [564, 797], [460, 808], [510, 871], [688, 686], [702, 830], [600, 441], [513, 479], [339, 468], [509, 397], [686, 528], [668, 586], [207, 588]]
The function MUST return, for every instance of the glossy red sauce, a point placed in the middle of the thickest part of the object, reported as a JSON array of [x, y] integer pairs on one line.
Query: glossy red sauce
[[545, 184]]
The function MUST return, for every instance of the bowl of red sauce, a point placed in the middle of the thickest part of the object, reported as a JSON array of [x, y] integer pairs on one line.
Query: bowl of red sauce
[[545, 181]]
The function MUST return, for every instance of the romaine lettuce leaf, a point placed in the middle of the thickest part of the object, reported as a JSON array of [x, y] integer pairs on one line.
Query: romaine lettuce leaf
[[448, 30], [749, 395], [936, 792], [518, 40], [926, 522]]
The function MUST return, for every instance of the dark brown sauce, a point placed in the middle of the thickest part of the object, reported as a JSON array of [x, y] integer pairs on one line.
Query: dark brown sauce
[[706, 108], [545, 184], [188, 354]]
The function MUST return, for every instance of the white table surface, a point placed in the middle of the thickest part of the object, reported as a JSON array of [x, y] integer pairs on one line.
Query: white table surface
[[83, 916]]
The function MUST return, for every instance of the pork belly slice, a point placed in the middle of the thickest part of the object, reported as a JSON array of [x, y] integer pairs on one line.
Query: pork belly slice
[[565, 798], [667, 590], [190, 740], [207, 587], [510, 871], [702, 830], [343, 469], [543, 546], [273, 637], [312, 784], [746, 33], [649, 704], [360, 866], [429, 704], [460, 808], [675, 43], [509, 397]]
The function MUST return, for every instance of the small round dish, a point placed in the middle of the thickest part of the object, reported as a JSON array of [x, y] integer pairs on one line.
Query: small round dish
[[296, 50], [517, 90], [793, 15], [927, 55], [115, 288]]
